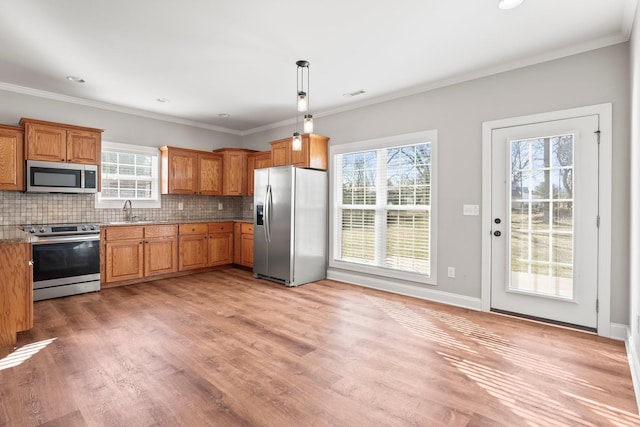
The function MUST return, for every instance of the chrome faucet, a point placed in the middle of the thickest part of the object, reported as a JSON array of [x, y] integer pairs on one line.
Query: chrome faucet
[[129, 209]]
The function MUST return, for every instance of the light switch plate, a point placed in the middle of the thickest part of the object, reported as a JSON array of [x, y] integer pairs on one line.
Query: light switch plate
[[473, 210]]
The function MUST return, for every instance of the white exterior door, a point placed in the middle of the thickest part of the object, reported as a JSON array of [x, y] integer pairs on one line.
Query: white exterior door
[[544, 220]]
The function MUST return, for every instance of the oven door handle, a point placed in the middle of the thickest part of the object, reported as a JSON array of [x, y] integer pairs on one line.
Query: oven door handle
[[64, 239]]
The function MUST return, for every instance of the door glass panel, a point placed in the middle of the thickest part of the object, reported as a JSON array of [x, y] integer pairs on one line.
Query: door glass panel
[[541, 235]]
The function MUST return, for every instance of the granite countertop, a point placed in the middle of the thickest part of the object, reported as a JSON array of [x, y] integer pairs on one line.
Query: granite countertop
[[181, 221], [11, 234]]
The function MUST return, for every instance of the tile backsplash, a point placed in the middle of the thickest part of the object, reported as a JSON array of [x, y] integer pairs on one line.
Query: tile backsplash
[[39, 208]]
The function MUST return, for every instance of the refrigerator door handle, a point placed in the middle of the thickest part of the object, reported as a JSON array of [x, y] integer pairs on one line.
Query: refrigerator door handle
[[267, 213]]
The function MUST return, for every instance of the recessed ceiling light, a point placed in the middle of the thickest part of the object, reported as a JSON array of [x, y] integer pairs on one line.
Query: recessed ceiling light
[[75, 79], [163, 100], [224, 115], [509, 4], [351, 94]]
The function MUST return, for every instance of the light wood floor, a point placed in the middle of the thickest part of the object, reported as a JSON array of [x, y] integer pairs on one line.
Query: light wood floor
[[224, 349]]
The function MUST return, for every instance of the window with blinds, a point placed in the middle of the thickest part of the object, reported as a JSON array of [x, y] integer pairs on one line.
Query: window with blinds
[[383, 208], [129, 172]]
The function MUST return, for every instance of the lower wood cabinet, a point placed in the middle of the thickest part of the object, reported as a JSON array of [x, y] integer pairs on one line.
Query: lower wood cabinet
[[243, 245], [139, 251], [16, 291], [205, 245]]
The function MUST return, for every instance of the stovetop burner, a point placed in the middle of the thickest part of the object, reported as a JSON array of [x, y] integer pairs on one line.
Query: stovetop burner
[[61, 229]]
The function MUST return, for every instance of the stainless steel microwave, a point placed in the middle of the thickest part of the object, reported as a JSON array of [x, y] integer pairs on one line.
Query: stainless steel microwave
[[54, 177]]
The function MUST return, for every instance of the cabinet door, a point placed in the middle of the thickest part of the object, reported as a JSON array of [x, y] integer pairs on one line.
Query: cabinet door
[[237, 239], [210, 174], [83, 147], [280, 153], [233, 182], [47, 143], [124, 260], [192, 252], [11, 160], [183, 169], [220, 249], [160, 256], [247, 250]]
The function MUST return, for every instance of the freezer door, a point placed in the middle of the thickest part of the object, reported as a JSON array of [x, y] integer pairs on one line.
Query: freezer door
[[260, 206], [280, 217]]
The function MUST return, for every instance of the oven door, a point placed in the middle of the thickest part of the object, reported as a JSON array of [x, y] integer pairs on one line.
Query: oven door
[[63, 260]]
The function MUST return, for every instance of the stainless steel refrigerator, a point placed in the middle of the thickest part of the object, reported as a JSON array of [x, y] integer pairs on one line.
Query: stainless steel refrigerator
[[290, 225]]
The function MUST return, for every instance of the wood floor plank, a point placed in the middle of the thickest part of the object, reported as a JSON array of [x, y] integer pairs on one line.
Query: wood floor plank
[[225, 349]]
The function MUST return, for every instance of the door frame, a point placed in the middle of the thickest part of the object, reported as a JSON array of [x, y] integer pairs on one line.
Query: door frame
[[604, 111]]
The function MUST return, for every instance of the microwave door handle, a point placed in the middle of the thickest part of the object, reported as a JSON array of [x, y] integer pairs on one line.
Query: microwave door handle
[[82, 179]]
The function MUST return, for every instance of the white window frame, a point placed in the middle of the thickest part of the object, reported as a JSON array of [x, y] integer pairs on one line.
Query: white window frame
[[155, 202], [430, 136]]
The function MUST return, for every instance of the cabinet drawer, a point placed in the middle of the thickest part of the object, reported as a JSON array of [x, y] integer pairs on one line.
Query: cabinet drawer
[[168, 230], [247, 229], [221, 227], [186, 229], [123, 233]]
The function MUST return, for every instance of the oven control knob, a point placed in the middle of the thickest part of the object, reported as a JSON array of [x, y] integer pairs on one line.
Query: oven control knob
[[33, 230], [84, 228], [42, 230], [93, 227]]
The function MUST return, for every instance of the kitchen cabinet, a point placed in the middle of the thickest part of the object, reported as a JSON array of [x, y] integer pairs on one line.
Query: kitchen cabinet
[[160, 249], [205, 245], [124, 253], [16, 291], [140, 251], [57, 142], [186, 171], [220, 246], [243, 244], [258, 160], [192, 246], [12, 158], [313, 155], [234, 171]]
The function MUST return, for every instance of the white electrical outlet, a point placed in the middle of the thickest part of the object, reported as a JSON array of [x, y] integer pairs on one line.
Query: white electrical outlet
[[180, 206], [451, 272], [220, 206]]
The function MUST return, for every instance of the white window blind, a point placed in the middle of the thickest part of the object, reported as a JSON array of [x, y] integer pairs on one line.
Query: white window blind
[[383, 207], [129, 172]]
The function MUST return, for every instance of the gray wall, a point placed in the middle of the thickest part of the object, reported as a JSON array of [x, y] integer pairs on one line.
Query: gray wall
[[634, 318], [458, 111], [118, 127]]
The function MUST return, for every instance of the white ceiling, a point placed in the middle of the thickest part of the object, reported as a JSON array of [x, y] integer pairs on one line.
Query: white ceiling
[[238, 56]]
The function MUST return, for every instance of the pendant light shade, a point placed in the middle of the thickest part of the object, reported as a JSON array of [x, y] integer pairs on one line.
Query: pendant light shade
[[307, 124], [296, 143], [303, 103]]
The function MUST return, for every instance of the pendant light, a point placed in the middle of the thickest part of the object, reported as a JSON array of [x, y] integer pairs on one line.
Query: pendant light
[[302, 91]]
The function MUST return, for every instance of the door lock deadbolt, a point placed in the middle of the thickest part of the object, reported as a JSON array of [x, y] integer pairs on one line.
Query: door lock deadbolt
[[497, 220]]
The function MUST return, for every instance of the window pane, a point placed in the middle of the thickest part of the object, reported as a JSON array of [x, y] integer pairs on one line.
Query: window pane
[[407, 245], [129, 175], [358, 235]]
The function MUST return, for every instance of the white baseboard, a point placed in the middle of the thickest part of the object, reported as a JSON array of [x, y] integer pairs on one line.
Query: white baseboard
[[634, 365], [418, 291], [618, 332]]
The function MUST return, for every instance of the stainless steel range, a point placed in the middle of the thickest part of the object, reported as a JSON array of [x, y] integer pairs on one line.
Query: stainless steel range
[[66, 259]]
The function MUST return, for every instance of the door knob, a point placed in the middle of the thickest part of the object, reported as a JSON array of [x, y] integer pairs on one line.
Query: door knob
[[497, 233]]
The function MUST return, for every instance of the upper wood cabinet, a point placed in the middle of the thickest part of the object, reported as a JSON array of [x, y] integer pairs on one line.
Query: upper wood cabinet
[[11, 158], [257, 160], [234, 167], [314, 153], [57, 142], [186, 171]]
